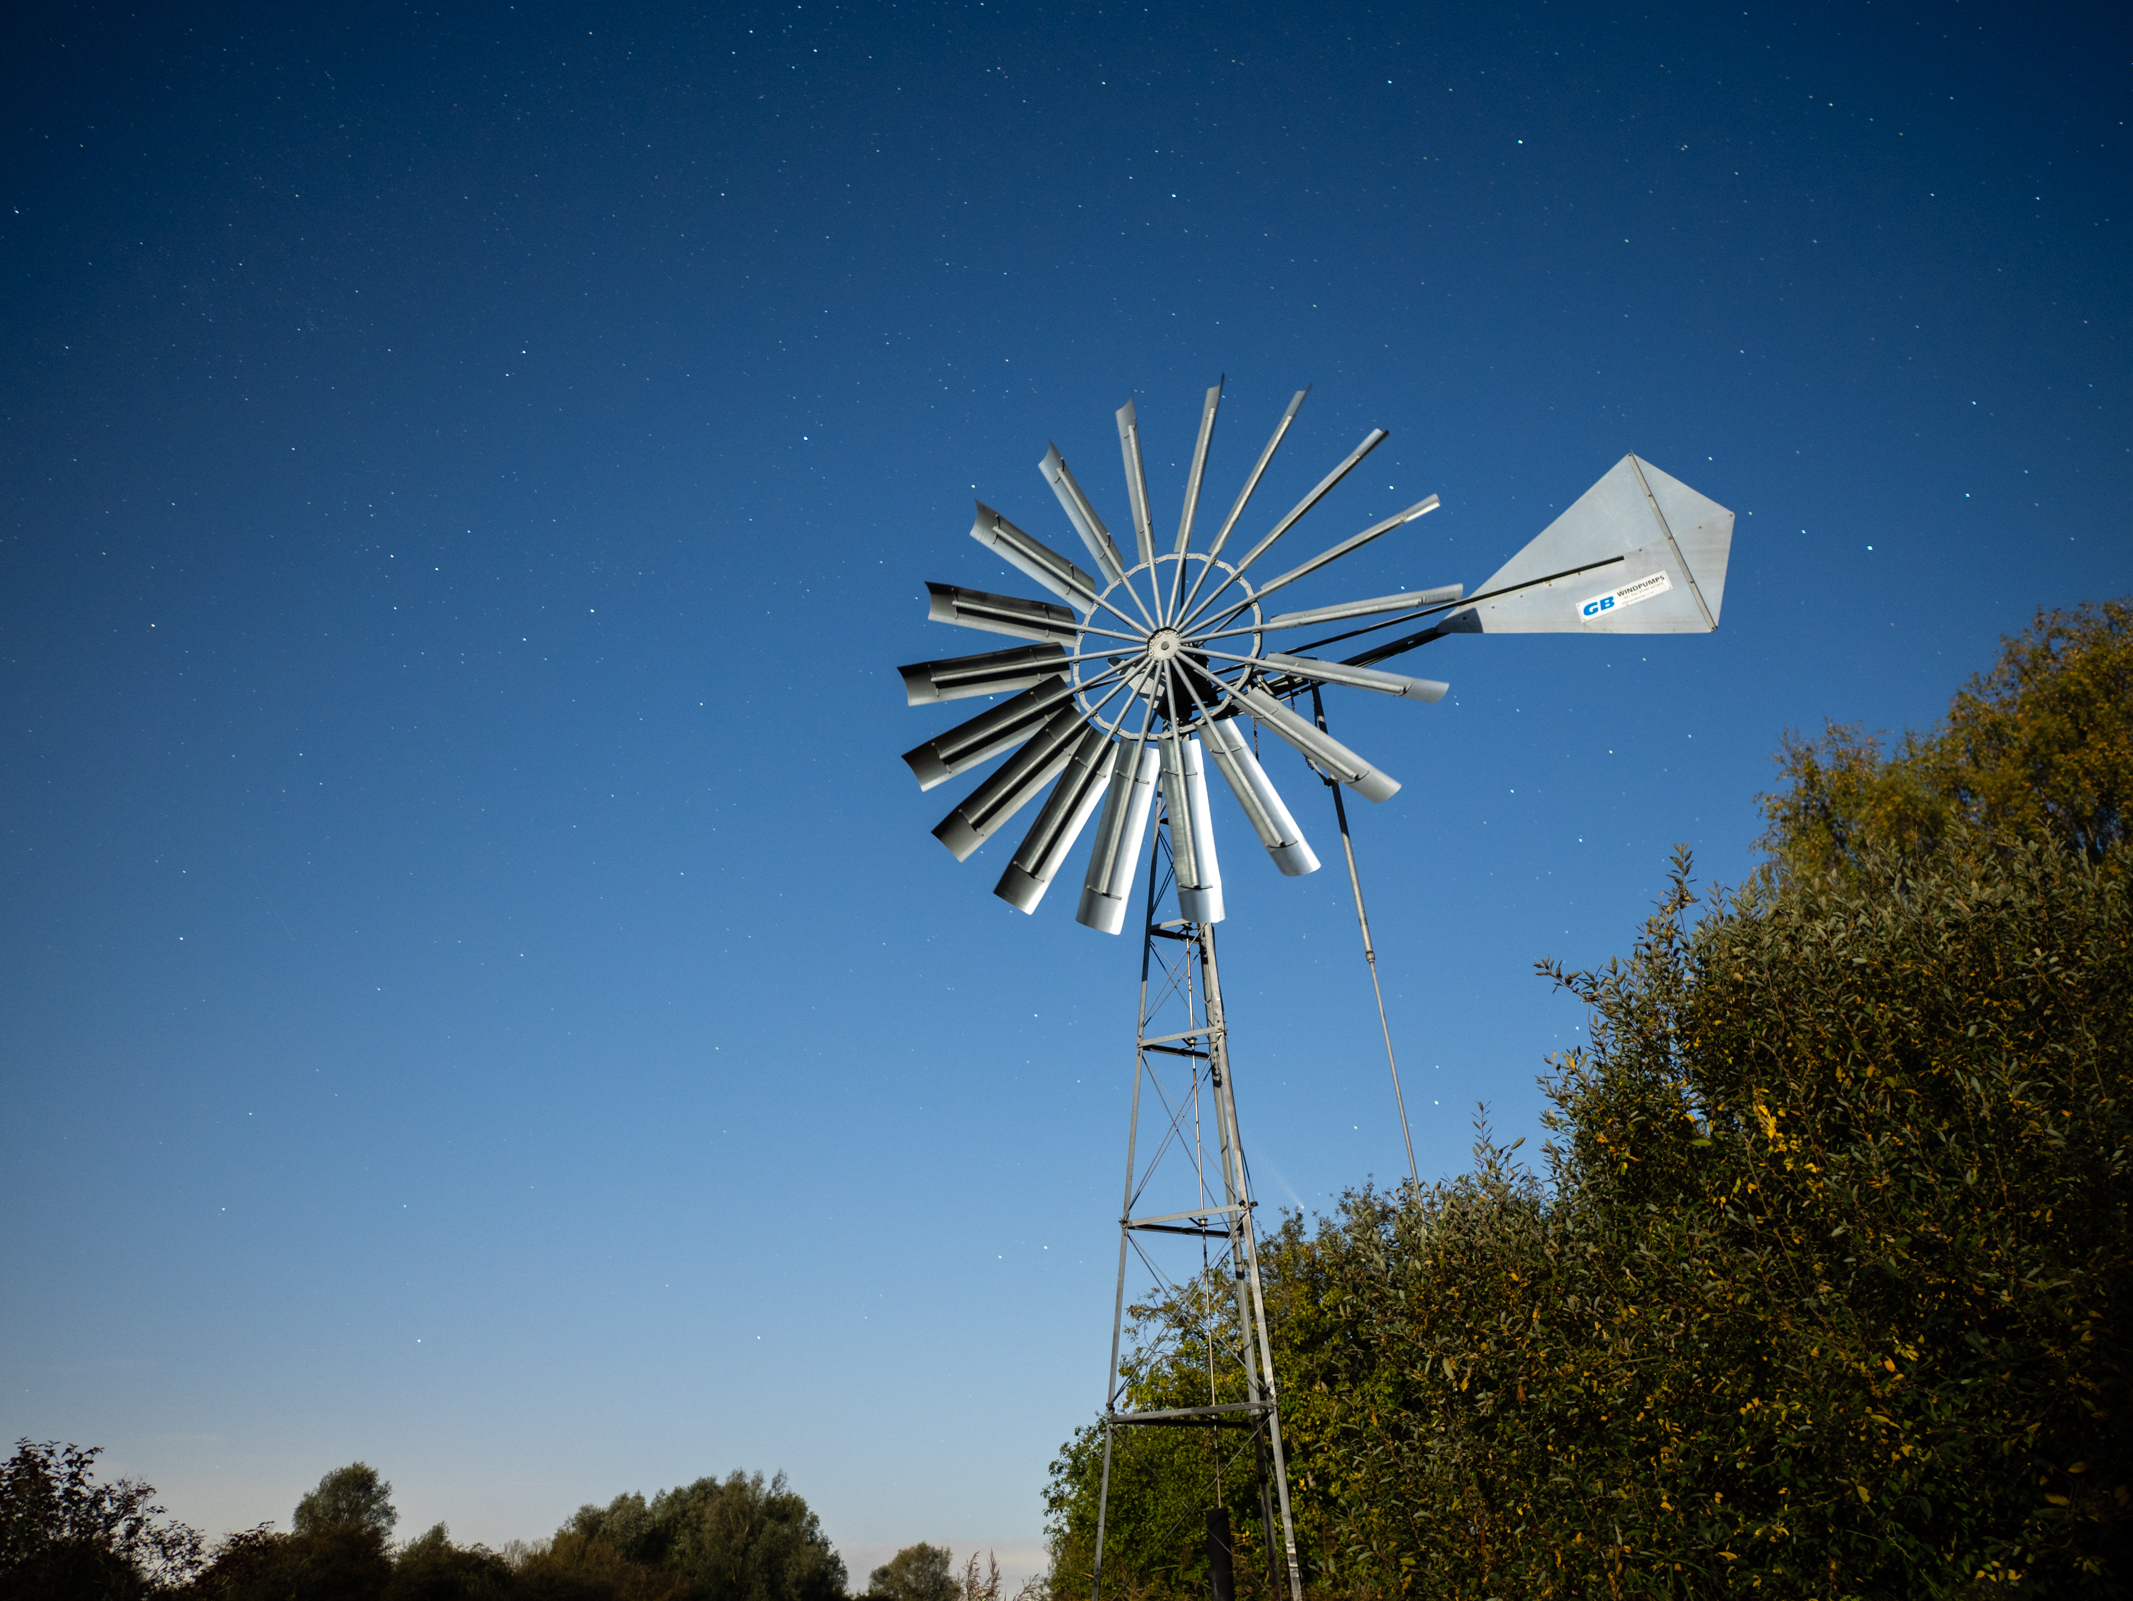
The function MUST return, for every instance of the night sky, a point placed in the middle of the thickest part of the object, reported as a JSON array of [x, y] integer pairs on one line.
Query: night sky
[[481, 996]]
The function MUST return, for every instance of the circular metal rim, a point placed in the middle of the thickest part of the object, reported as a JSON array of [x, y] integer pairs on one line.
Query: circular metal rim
[[1085, 642]]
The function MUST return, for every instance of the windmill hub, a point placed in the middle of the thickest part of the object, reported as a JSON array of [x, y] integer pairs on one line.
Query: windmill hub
[[1164, 644]]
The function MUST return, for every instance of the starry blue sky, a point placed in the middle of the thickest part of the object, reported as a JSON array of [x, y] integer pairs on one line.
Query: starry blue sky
[[480, 993]]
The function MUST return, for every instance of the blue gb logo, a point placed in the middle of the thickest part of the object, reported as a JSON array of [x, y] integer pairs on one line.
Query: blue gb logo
[[1628, 595]]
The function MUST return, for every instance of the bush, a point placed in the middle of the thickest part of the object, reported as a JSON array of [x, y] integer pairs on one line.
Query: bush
[[1831, 1294], [431, 1568], [339, 1562], [63, 1535], [1824, 1290], [573, 1567]]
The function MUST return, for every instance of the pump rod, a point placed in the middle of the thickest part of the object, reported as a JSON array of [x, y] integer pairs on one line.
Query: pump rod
[[1370, 954]]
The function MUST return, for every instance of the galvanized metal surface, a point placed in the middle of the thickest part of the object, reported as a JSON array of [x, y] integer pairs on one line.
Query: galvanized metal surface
[[1012, 786], [1181, 636], [1261, 802], [1192, 832], [1330, 754], [986, 735], [1059, 824], [1412, 600], [1026, 554], [1655, 523], [1431, 689], [1082, 515], [992, 672], [1129, 448], [1116, 853], [1000, 614]]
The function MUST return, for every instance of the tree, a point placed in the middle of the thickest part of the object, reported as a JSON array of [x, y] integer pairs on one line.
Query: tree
[[64, 1536], [240, 1565], [740, 1540], [337, 1551], [2043, 744], [745, 1541], [328, 1562], [572, 1567], [431, 1568], [353, 1496], [625, 1524], [916, 1573], [2040, 747]]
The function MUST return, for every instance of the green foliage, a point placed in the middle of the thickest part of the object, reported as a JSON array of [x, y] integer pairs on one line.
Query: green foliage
[[431, 1568], [740, 1540], [64, 1536], [1164, 1479], [572, 1567], [436, 1538], [1826, 1292], [353, 1496], [1832, 1298], [625, 1523], [329, 1562], [238, 1565], [1843, 797], [927, 1573], [916, 1573], [2040, 747]]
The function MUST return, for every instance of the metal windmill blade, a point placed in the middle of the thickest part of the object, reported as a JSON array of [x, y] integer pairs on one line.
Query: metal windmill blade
[[1135, 684]]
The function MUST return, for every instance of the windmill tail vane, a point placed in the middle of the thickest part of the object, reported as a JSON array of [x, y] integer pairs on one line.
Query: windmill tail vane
[[1135, 678]]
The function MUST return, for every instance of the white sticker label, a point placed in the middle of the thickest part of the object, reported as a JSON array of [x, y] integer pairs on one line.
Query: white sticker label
[[1627, 595]]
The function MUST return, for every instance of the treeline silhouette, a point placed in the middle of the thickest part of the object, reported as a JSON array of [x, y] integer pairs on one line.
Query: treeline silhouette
[[65, 1536], [1822, 1286]]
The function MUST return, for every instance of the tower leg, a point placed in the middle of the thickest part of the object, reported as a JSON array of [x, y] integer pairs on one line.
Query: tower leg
[[1125, 1238], [1244, 1235], [1221, 1569]]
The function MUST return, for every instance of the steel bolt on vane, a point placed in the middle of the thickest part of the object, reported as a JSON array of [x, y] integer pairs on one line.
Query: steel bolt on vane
[[1129, 687]]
